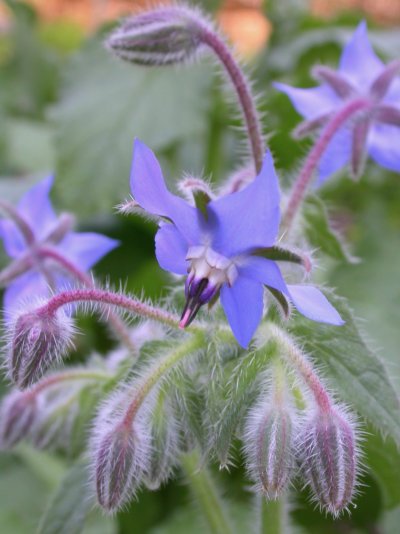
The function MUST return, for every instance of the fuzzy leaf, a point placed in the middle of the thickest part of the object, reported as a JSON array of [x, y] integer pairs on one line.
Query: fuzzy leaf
[[383, 458], [230, 397], [355, 372], [70, 504], [104, 106], [320, 234]]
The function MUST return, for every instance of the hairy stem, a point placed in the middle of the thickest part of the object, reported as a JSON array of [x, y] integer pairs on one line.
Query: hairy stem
[[243, 91], [297, 359], [272, 515], [156, 372], [307, 172], [206, 494], [117, 324], [102, 297], [68, 376]]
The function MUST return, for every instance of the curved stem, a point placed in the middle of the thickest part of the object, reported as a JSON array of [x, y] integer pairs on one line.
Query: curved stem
[[307, 172], [19, 221], [206, 494], [66, 377], [156, 372], [117, 324], [100, 296], [298, 360], [243, 91]]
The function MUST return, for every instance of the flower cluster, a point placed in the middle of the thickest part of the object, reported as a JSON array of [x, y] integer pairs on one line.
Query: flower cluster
[[47, 254], [226, 247], [374, 128], [176, 385]]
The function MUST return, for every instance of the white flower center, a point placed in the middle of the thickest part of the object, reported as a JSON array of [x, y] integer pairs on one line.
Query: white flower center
[[205, 263]]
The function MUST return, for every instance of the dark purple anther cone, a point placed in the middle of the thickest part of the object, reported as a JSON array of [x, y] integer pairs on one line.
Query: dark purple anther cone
[[198, 291]]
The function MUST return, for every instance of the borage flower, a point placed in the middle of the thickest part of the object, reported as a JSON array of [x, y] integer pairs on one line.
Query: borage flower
[[43, 246], [374, 129], [225, 247]]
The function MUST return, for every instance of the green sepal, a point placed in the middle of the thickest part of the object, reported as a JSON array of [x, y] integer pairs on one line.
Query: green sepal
[[276, 253]]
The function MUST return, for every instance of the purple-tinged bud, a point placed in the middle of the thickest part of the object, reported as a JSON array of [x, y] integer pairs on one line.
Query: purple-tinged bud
[[269, 446], [120, 450], [17, 415], [163, 36], [37, 341], [329, 458]]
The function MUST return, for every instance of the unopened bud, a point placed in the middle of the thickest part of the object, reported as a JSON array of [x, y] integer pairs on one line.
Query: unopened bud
[[269, 447], [329, 458], [162, 36], [36, 342], [17, 414], [120, 451]]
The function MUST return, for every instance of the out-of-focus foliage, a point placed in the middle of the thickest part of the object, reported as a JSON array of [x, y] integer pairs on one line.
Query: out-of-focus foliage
[[65, 105]]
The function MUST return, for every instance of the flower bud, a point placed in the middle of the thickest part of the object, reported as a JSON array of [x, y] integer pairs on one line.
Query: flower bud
[[120, 451], [329, 457], [269, 446], [36, 342], [162, 36], [17, 414]]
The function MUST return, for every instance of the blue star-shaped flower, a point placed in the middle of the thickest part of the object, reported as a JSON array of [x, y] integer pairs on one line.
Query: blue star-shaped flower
[[44, 230], [223, 247], [374, 130]]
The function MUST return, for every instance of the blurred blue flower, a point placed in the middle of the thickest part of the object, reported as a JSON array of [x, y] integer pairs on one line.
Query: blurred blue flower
[[374, 130], [30, 237], [222, 247]]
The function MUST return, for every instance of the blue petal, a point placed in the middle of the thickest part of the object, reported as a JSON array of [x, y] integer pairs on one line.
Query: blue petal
[[308, 300], [384, 146], [358, 61], [243, 306], [36, 208], [171, 249], [23, 288], [149, 190], [265, 271], [312, 102], [336, 155], [86, 248], [313, 304], [14, 243], [249, 218]]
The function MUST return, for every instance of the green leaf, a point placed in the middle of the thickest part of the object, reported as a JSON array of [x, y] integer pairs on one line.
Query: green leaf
[[69, 505], [104, 106], [382, 456], [319, 233], [229, 398], [354, 371]]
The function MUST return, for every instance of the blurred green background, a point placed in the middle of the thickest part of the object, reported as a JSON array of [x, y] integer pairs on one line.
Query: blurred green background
[[67, 107]]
